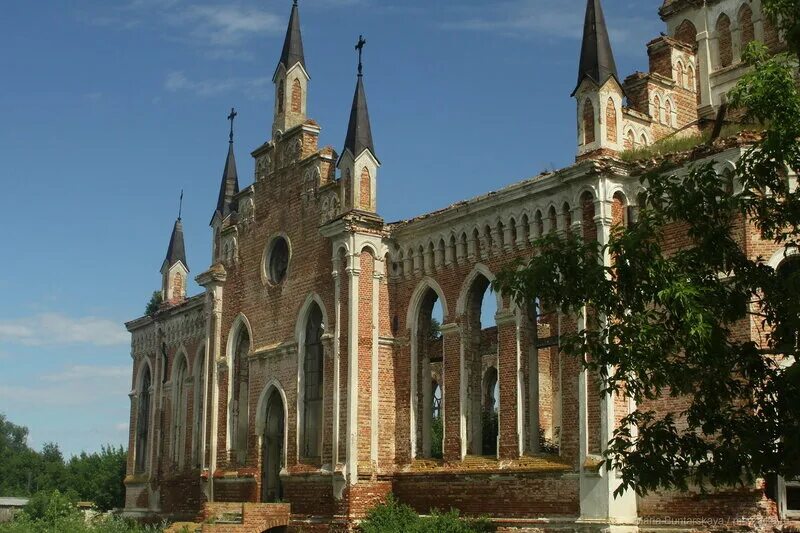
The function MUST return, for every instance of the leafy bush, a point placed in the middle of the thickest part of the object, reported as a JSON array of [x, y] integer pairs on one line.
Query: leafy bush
[[155, 302], [395, 517]]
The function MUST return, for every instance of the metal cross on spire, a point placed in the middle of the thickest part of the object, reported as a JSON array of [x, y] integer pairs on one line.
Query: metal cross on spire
[[232, 116], [360, 48], [180, 206]]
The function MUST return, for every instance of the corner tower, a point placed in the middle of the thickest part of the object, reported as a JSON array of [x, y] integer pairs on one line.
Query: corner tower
[[175, 269], [291, 79], [358, 162], [599, 92]]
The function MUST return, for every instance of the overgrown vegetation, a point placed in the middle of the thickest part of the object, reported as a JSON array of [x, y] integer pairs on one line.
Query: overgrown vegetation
[[54, 512], [437, 433], [677, 143], [95, 477], [664, 322], [395, 517]]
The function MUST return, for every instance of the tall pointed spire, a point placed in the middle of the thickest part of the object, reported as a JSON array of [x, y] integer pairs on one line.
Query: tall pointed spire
[[229, 187], [176, 251], [293, 44], [597, 59], [359, 131]]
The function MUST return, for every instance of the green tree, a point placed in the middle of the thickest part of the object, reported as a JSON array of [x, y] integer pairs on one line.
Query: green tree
[[662, 322], [155, 302], [98, 477]]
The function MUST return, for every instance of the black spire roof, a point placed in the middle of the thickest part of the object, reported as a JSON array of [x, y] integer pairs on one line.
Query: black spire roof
[[359, 131], [293, 44], [229, 186], [597, 59], [176, 251]]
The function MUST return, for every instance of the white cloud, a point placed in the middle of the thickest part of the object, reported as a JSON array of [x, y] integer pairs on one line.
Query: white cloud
[[54, 328], [228, 25], [122, 427], [254, 88], [559, 19], [87, 373]]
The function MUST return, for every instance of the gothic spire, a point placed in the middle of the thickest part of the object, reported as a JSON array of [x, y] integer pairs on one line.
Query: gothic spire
[[597, 59], [230, 179], [359, 131], [293, 44], [176, 252]]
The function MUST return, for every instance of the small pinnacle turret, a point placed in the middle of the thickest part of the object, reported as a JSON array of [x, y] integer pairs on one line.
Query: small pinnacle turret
[[359, 131], [358, 163], [291, 79], [597, 59], [229, 187], [176, 251]]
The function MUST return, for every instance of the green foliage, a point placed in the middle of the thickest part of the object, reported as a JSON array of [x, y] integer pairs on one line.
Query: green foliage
[[95, 477], [489, 432], [786, 15], [155, 302], [395, 517], [437, 433], [662, 321]]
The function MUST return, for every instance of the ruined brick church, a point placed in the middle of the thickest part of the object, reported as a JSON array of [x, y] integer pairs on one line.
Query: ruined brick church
[[310, 380]]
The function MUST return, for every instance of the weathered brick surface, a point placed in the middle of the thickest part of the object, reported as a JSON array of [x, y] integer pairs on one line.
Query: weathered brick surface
[[453, 254]]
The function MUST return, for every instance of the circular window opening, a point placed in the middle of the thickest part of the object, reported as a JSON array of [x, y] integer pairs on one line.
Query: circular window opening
[[278, 260]]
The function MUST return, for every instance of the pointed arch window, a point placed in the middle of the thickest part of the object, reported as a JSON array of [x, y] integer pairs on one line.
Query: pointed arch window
[[588, 122], [365, 189], [611, 121], [239, 405], [180, 404], [198, 407], [143, 421], [724, 48], [747, 32], [297, 96], [312, 384]]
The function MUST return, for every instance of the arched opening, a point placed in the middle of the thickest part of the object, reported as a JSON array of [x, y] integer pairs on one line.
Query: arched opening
[[198, 407], [539, 223], [312, 384], [490, 407], [143, 420], [297, 96], [480, 354], [747, 32], [724, 48], [566, 216], [180, 406], [272, 449], [588, 122], [611, 121], [686, 32], [281, 95], [643, 140], [690, 79], [428, 359], [552, 219], [239, 402], [679, 74]]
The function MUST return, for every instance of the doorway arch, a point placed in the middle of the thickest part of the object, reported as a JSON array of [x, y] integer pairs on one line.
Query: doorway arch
[[272, 451]]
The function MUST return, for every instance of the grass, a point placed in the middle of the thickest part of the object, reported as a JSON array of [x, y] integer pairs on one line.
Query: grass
[[675, 144]]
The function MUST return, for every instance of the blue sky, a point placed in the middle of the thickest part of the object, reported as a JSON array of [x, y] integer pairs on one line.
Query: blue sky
[[110, 108]]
